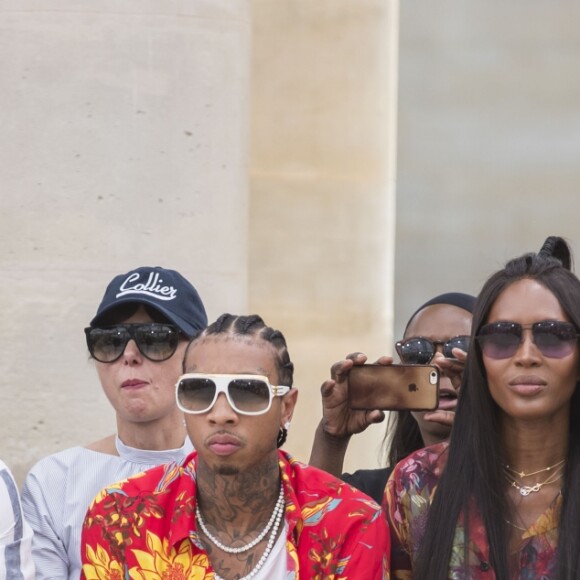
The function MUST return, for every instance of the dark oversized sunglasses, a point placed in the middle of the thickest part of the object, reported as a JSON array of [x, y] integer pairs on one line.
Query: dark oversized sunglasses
[[420, 350], [553, 338], [155, 341], [197, 393]]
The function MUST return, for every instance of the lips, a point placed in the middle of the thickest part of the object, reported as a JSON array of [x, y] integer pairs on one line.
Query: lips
[[133, 384], [527, 385], [447, 399], [223, 444]]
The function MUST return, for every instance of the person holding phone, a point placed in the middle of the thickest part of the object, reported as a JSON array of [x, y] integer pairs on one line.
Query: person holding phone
[[237, 507], [500, 499], [137, 340], [437, 333]]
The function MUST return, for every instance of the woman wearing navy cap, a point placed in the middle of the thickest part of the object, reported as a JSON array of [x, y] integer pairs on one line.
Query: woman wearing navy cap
[[137, 340]]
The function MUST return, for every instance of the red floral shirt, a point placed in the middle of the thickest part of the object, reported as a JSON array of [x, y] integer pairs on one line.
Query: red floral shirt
[[408, 496], [144, 528]]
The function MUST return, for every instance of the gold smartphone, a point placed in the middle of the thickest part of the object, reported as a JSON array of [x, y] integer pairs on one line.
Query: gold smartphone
[[394, 387]]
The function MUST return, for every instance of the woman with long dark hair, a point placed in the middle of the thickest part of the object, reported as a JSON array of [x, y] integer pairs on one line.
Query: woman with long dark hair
[[500, 500]]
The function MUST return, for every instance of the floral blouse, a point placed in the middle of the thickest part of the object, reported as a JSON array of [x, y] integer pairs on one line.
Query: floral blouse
[[408, 495], [145, 528]]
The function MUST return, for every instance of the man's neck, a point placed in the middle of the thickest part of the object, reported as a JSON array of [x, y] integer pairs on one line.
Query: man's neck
[[239, 503]]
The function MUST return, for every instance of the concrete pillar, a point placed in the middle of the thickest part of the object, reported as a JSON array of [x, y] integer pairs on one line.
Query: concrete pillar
[[124, 143], [322, 188], [488, 156]]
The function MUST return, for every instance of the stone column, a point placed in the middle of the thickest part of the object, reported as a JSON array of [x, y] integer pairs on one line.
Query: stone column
[[488, 157], [322, 189], [124, 143]]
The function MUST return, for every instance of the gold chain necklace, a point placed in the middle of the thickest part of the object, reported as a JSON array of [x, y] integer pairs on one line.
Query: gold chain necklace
[[522, 474], [525, 490], [516, 526]]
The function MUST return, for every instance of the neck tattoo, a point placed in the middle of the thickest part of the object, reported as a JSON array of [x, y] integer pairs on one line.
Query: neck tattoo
[[273, 525]]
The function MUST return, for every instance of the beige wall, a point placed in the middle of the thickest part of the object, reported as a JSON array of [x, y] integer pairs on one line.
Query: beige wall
[[124, 143], [489, 140], [322, 188], [127, 134]]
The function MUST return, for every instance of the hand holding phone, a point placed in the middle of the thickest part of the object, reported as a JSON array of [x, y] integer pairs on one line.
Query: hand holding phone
[[394, 387], [338, 419], [452, 368]]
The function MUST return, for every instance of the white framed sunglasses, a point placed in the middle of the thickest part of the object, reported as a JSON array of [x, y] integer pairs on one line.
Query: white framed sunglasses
[[196, 393]]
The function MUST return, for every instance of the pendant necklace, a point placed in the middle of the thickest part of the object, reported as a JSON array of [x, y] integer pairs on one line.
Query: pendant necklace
[[525, 490]]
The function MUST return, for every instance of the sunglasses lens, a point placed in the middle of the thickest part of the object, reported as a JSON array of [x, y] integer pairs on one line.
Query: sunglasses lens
[[500, 340], [461, 342], [416, 351], [196, 395], [249, 395], [157, 342], [555, 339], [107, 344]]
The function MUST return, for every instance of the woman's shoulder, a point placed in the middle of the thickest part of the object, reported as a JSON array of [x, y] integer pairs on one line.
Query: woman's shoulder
[[422, 466], [66, 461]]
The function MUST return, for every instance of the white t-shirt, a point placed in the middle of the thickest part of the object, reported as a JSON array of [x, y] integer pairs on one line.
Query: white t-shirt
[[59, 489], [15, 534], [276, 565]]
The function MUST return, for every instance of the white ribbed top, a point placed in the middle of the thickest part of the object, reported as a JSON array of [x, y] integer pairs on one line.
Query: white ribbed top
[[15, 534], [59, 489]]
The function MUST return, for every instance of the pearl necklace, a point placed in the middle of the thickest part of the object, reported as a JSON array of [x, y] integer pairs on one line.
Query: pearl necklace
[[276, 516], [278, 510], [262, 560]]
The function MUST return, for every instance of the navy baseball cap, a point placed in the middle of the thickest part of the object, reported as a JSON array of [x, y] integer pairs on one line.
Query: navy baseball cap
[[165, 290]]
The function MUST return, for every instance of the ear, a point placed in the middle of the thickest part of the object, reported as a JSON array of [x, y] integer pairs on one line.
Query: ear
[[288, 404]]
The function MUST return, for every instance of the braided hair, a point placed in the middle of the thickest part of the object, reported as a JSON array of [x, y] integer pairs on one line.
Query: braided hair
[[252, 326]]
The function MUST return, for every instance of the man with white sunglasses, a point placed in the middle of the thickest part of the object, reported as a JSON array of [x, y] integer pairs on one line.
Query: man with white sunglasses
[[237, 507]]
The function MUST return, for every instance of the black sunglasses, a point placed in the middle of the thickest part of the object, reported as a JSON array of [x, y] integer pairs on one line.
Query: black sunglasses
[[553, 338], [421, 350], [155, 341]]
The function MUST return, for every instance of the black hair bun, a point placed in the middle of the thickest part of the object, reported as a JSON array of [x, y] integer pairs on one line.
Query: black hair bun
[[557, 247]]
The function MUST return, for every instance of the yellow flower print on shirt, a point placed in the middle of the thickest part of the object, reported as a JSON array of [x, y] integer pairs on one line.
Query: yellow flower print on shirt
[[162, 562], [101, 566]]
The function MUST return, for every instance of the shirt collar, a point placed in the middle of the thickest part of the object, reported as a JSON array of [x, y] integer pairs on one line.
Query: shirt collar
[[182, 510]]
